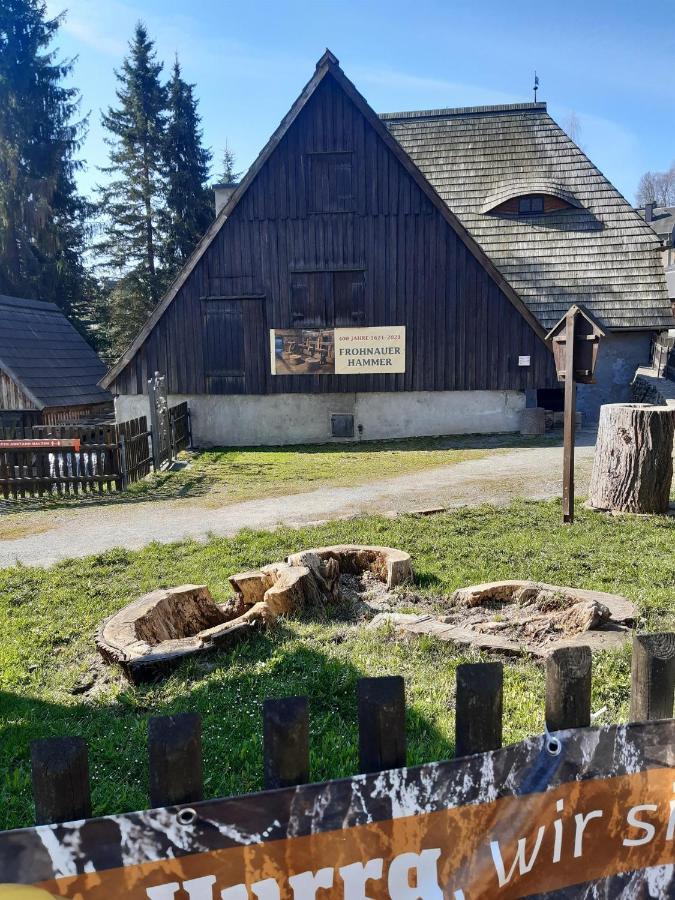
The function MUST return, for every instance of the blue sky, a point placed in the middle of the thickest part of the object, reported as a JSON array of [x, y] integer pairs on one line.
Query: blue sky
[[610, 63]]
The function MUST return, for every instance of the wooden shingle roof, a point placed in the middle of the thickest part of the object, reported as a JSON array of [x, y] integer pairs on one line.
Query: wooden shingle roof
[[600, 254], [46, 357]]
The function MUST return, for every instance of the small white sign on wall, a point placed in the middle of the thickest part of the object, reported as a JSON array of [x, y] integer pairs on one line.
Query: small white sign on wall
[[523, 360]]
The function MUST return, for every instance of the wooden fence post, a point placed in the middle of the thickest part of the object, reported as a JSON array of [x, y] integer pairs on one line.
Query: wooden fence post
[[652, 677], [172, 436], [175, 757], [478, 708], [60, 775], [568, 688], [286, 742], [381, 712], [123, 464], [569, 418]]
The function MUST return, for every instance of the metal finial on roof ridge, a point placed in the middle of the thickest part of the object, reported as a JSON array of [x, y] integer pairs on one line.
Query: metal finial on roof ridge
[[328, 57], [536, 85]]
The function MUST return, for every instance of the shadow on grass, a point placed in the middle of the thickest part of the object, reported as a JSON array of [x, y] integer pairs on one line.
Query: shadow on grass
[[162, 486], [428, 580], [228, 690], [442, 442]]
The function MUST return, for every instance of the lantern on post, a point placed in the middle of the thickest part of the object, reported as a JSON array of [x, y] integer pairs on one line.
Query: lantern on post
[[575, 340]]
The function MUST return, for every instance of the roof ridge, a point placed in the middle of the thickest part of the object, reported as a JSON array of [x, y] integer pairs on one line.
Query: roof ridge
[[539, 106], [30, 303], [656, 208]]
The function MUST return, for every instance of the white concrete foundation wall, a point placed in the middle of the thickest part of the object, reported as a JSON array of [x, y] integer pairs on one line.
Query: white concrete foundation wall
[[250, 420], [421, 413]]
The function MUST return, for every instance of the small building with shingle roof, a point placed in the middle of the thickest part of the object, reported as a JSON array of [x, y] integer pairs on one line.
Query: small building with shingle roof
[[466, 233], [48, 372], [661, 219]]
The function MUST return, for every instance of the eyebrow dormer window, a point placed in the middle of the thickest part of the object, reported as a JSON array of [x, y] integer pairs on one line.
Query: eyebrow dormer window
[[530, 205], [538, 198]]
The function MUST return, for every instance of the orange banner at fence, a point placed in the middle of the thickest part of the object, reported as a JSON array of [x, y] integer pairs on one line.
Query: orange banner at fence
[[46, 444], [594, 817], [514, 847]]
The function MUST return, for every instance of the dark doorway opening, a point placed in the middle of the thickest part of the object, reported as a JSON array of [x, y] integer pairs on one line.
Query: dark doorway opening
[[552, 399]]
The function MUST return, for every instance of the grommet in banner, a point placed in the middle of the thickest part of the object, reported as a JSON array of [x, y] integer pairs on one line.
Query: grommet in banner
[[553, 745], [186, 816]]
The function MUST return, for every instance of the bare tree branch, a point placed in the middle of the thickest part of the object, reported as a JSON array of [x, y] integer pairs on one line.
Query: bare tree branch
[[657, 187]]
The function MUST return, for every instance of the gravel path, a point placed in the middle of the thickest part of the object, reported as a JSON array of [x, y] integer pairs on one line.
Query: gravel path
[[530, 473]]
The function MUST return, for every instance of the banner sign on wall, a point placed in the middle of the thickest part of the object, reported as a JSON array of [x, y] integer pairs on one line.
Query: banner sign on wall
[[596, 819], [337, 351]]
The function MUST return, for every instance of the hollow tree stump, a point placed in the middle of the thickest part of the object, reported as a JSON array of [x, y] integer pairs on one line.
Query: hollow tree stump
[[633, 464]]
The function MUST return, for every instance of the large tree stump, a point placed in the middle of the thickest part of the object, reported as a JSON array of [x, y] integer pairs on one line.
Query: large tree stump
[[633, 464]]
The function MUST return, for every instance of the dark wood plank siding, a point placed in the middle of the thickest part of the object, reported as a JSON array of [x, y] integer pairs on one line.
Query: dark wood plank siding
[[11, 395], [387, 247]]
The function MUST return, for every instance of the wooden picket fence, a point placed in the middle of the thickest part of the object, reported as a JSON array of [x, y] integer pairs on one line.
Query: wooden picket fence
[[41, 471], [60, 772], [128, 444], [111, 457]]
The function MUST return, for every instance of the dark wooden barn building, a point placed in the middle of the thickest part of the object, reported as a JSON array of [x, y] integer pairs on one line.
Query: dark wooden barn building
[[338, 292]]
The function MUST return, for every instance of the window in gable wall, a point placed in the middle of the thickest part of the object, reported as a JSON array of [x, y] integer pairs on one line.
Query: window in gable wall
[[329, 181], [331, 298]]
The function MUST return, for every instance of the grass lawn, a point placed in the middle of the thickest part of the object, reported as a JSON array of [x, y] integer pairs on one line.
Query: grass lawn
[[228, 474], [50, 617]]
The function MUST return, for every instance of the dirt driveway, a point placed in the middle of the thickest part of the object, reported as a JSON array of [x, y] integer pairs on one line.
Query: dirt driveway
[[46, 537]]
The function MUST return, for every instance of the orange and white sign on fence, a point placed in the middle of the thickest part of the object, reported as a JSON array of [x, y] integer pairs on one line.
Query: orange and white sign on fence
[[42, 444]]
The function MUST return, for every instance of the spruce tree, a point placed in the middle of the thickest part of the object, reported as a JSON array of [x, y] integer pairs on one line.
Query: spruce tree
[[189, 202], [133, 202], [42, 217], [229, 174]]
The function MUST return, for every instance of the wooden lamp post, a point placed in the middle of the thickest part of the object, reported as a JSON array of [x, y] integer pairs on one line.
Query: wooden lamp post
[[575, 340]]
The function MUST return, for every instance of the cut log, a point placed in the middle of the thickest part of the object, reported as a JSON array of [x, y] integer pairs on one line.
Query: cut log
[[152, 635], [633, 464]]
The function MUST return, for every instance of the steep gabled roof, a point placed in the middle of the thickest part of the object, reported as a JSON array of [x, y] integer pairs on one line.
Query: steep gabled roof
[[602, 254], [327, 65], [46, 357]]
